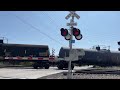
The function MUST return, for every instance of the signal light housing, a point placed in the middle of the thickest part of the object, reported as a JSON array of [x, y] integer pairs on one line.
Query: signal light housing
[[118, 49], [1, 41], [64, 32], [76, 32], [119, 43]]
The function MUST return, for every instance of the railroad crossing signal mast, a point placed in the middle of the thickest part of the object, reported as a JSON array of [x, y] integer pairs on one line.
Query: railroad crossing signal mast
[[68, 35]]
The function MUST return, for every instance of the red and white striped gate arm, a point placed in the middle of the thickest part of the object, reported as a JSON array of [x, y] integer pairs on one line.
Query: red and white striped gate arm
[[30, 58]]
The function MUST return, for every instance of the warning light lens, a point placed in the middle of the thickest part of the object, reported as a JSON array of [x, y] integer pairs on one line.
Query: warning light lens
[[76, 32], [64, 32]]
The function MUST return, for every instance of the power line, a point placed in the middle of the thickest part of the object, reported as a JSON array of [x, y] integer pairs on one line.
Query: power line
[[49, 21], [25, 22], [52, 20]]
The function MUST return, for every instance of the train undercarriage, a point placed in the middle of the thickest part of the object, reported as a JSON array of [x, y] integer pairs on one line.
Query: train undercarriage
[[45, 65], [35, 64], [64, 65]]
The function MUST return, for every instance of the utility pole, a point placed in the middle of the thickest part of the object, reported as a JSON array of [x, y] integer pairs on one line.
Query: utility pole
[[71, 24]]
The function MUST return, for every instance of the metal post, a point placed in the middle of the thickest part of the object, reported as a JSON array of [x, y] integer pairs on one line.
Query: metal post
[[70, 45], [71, 24]]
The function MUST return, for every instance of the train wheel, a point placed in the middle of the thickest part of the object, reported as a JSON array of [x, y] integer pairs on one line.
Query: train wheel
[[35, 66], [47, 66], [60, 66]]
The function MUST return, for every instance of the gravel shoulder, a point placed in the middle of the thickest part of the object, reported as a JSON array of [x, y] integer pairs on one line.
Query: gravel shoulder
[[82, 76], [93, 73]]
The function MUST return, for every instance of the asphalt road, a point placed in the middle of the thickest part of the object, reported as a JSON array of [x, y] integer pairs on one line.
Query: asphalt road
[[29, 72]]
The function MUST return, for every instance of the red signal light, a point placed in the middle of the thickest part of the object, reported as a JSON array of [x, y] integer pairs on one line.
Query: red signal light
[[76, 32], [64, 32]]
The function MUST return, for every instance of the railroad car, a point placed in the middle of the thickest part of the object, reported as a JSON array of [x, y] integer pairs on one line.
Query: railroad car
[[98, 56], [39, 54]]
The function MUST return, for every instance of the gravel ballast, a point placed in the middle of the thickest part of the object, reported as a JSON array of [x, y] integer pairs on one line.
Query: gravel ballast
[[96, 73]]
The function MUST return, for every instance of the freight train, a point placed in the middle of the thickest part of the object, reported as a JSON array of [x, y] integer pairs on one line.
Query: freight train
[[40, 55], [96, 57]]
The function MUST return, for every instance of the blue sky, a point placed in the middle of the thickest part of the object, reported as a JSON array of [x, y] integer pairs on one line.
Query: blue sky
[[97, 27]]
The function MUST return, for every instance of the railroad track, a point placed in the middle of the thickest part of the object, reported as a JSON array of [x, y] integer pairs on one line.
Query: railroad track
[[94, 71], [98, 71], [88, 73]]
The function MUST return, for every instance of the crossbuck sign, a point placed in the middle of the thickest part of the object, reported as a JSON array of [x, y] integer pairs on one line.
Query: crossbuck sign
[[72, 13]]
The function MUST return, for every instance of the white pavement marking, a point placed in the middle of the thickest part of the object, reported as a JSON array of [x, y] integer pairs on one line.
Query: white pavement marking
[[28, 73]]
